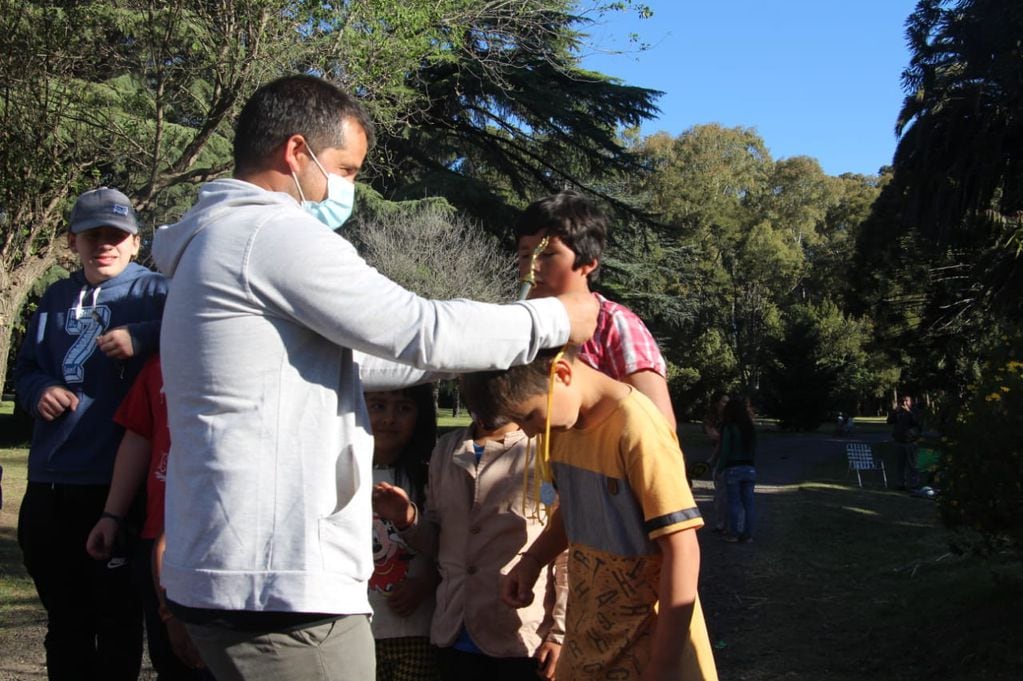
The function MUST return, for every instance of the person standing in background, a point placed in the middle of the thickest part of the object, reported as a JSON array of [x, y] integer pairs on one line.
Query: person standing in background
[[905, 433]]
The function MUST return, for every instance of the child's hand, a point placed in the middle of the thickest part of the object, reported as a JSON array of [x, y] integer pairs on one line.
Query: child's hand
[[547, 658], [407, 595], [517, 585], [100, 544], [55, 401], [181, 644], [116, 343], [392, 503]]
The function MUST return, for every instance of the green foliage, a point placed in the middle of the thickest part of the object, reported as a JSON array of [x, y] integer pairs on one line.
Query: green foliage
[[743, 240], [938, 263], [982, 465], [797, 383], [698, 369], [142, 95], [961, 123], [830, 260], [955, 201], [640, 270], [510, 114], [702, 180], [820, 365]]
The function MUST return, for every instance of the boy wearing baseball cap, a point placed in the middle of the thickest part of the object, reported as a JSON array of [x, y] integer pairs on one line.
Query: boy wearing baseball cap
[[85, 344]]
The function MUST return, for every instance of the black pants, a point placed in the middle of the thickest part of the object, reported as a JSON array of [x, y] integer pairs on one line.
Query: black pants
[[456, 665], [94, 617]]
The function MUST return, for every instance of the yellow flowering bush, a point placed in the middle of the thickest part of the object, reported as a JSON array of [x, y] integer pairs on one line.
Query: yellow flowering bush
[[981, 479]]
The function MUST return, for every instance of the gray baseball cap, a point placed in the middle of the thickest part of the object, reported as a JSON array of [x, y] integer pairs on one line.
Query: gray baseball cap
[[103, 207]]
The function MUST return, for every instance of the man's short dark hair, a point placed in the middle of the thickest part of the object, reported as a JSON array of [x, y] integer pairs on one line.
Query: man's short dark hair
[[294, 105], [571, 217], [490, 395]]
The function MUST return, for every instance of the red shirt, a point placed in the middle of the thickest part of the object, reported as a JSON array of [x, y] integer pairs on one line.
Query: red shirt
[[144, 412], [621, 345]]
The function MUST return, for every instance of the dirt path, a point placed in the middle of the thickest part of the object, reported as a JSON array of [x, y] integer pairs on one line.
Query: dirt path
[[732, 607]]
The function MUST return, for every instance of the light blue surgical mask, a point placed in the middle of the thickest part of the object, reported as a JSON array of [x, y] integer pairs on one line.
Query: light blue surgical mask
[[334, 210]]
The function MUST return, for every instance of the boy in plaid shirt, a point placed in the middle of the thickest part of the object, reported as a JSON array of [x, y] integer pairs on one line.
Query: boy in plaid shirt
[[622, 347]]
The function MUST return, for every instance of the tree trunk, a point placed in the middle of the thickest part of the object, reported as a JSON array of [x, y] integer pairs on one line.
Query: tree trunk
[[15, 285]]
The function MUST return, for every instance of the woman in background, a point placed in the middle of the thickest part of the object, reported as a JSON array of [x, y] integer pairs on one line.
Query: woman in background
[[736, 464]]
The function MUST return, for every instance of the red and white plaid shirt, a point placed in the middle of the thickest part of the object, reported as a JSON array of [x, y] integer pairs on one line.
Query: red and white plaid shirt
[[621, 345]]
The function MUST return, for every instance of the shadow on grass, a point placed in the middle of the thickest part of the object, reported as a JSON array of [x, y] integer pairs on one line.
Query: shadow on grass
[[850, 583], [19, 605], [15, 426]]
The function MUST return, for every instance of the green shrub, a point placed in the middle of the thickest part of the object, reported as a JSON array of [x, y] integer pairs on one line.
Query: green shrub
[[982, 464]]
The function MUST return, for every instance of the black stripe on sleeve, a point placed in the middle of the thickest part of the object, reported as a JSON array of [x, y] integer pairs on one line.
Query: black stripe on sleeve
[[657, 523]]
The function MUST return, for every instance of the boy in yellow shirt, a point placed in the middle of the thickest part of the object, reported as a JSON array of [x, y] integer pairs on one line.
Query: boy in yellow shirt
[[626, 515]]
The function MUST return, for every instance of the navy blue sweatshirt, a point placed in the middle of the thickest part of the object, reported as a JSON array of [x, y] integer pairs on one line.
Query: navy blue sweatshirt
[[78, 447]]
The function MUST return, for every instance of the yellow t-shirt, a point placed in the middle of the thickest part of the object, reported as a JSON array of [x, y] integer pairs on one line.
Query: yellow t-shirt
[[622, 484]]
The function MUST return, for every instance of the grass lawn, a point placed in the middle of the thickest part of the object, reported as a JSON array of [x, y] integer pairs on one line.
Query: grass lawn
[[850, 583], [18, 602], [860, 584], [446, 422], [843, 584]]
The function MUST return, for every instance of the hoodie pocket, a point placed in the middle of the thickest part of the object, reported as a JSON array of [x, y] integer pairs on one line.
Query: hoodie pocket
[[345, 536]]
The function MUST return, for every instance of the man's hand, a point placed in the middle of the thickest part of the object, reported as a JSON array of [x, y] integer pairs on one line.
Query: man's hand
[[116, 343], [391, 503], [517, 585], [55, 401], [100, 544], [582, 311], [547, 655]]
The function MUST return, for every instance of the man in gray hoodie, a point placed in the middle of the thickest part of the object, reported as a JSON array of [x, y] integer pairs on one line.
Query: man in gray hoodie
[[273, 328]]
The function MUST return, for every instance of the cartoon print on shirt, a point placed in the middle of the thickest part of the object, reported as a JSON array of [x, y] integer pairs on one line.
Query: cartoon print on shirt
[[391, 557]]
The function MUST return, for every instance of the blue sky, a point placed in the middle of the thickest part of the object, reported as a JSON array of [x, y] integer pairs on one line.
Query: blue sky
[[818, 78]]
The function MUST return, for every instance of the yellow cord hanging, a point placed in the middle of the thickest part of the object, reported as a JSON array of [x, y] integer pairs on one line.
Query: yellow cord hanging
[[542, 458]]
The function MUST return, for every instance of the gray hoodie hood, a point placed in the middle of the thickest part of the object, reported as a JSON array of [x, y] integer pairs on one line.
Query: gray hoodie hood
[[216, 200]]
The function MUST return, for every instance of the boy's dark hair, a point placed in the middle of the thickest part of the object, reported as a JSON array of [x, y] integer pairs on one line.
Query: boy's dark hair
[[491, 394], [294, 105], [574, 219], [469, 395]]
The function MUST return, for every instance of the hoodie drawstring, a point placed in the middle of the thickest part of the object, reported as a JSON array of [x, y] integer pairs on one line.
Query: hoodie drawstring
[[81, 302]]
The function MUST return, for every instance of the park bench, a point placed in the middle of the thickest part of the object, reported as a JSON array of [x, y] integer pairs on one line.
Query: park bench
[[861, 458]]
